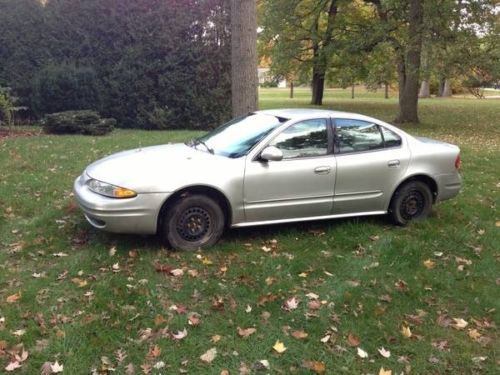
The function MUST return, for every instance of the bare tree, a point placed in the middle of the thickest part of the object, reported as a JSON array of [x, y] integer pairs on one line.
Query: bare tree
[[244, 78]]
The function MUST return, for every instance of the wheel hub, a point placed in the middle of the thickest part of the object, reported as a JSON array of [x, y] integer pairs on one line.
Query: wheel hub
[[413, 205], [193, 224]]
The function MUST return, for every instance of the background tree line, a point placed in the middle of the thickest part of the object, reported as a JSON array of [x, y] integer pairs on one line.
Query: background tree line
[[150, 64], [378, 42]]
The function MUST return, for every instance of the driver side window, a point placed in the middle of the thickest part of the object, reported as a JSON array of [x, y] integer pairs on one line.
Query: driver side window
[[304, 139]]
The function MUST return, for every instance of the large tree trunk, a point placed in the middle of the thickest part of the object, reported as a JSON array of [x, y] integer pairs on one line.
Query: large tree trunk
[[408, 98], [291, 89], [320, 63], [425, 89], [318, 86], [386, 90], [446, 89], [244, 80]]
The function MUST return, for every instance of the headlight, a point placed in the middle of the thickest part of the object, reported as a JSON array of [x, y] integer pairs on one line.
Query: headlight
[[109, 190]]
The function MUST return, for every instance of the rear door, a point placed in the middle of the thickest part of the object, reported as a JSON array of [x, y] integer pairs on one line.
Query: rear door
[[371, 161]]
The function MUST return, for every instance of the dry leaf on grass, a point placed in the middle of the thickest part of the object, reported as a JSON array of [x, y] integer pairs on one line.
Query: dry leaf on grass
[[245, 332], [362, 353], [209, 355], [279, 347], [384, 353], [299, 335]]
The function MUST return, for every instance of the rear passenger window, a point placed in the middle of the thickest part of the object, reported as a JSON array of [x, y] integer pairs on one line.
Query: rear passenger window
[[391, 139], [357, 136]]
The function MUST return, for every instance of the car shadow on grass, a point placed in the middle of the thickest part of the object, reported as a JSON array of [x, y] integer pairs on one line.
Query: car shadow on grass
[[241, 237]]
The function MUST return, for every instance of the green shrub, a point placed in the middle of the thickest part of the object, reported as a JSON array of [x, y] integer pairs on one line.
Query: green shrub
[[78, 122], [58, 88]]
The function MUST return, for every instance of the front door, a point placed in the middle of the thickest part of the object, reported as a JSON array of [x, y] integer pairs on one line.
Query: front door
[[299, 186]]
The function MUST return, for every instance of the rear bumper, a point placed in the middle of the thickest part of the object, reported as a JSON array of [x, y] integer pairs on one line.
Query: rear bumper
[[449, 185], [138, 215]]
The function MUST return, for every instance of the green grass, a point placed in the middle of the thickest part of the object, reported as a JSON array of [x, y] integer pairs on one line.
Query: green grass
[[369, 274]]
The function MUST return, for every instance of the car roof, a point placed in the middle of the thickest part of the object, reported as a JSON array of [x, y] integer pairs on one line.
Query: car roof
[[300, 113]]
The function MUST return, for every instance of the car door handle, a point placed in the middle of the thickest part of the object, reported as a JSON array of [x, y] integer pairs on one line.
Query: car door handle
[[393, 163], [322, 170]]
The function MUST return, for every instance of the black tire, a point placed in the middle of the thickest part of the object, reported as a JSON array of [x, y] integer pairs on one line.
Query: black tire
[[193, 222], [411, 202]]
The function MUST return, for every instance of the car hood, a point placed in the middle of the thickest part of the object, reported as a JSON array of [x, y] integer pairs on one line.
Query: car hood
[[156, 169]]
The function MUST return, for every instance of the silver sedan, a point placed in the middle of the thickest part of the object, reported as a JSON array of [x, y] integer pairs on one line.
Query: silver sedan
[[269, 167]]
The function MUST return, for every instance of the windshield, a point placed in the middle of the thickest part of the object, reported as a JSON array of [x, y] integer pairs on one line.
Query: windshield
[[238, 136]]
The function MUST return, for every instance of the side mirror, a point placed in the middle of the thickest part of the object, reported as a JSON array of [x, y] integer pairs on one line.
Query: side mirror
[[271, 153]]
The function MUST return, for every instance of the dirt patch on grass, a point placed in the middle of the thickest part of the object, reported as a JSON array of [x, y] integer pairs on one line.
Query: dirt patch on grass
[[6, 133]]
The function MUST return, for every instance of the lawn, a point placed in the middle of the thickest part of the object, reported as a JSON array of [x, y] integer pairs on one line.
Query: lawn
[[329, 292]]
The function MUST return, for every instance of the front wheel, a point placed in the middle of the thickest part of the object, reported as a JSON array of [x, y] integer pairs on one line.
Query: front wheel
[[411, 202], [193, 222]]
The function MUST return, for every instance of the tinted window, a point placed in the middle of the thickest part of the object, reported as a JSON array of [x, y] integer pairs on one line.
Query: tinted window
[[304, 139], [391, 139], [357, 136]]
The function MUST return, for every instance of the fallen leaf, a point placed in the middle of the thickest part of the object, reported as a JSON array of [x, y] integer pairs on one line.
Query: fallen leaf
[[163, 268], [246, 332], [248, 309], [362, 353], [429, 264], [353, 340], [384, 353], [12, 366], [316, 366], [299, 335], [194, 320], [177, 272], [159, 365], [266, 249], [112, 251], [401, 285], [383, 371], [291, 304], [325, 339], [312, 296], [56, 367], [459, 323], [209, 355], [120, 355], [314, 304], [263, 364], [13, 298], [46, 369], [279, 347], [215, 338], [60, 255], [19, 332], [406, 332], [155, 351], [474, 334], [180, 334]]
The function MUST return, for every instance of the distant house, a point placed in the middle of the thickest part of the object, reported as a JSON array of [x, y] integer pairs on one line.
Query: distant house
[[265, 76]]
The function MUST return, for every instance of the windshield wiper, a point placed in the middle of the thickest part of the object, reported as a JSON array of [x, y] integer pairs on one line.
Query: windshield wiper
[[196, 142]]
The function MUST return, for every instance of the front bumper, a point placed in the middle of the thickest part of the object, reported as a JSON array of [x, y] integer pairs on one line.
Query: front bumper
[[138, 215]]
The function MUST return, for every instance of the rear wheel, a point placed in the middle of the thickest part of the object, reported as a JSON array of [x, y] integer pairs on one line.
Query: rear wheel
[[411, 202], [193, 222]]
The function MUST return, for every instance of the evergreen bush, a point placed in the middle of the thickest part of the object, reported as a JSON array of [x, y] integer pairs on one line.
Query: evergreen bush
[[78, 122]]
